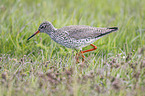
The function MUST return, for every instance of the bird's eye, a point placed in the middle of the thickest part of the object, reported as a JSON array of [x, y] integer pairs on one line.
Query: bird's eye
[[42, 27]]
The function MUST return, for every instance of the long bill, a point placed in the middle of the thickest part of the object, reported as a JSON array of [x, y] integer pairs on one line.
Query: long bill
[[34, 34]]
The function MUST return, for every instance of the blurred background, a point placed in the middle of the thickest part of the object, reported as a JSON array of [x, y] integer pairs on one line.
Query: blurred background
[[42, 67], [21, 18]]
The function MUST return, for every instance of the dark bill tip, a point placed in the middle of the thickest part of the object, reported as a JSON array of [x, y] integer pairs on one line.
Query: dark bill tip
[[33, 34]]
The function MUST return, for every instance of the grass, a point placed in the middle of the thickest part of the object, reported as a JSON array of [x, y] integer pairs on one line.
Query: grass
[[42, 67]]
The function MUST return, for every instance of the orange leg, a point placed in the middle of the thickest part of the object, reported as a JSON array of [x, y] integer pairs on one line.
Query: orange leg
[[95, 47], [83, 59], [77, 58]]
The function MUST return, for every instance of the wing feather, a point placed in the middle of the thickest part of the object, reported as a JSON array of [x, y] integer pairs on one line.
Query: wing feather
[[82, 31]]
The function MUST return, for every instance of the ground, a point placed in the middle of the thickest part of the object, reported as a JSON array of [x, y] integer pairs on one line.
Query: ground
[[42, 67]]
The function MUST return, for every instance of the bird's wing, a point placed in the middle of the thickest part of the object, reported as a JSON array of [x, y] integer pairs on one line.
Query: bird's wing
[[82, 31]]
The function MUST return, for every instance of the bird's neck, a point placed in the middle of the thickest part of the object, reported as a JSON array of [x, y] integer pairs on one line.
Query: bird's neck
[[51, 28], [51, 32]]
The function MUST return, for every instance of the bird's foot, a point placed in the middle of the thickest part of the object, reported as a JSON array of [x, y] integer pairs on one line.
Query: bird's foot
[[77, 57]]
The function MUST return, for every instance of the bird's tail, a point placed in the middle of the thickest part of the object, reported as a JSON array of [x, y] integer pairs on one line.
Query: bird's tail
[[111, 29]]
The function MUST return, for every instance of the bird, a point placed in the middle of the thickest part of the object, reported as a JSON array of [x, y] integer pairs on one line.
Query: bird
[[74, 36]]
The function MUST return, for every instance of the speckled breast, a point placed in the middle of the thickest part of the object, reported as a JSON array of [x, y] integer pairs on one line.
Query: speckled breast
[[64, 39]]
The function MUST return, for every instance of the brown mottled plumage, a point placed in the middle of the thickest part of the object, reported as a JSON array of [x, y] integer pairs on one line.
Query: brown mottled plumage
[[74, 36], [83, 31]]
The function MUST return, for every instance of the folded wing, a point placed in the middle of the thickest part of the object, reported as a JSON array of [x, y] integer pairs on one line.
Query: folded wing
[[83, 32]]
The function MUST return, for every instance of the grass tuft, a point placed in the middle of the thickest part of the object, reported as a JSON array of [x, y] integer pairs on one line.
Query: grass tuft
[[42, 67]]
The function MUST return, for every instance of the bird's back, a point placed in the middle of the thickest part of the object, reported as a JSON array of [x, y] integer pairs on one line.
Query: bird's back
[[83, 32]]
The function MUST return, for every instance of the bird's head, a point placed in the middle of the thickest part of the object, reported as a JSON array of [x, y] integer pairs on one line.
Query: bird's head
[[44, 27]]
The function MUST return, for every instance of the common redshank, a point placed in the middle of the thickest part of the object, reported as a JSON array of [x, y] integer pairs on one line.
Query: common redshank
[[74, 36]]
